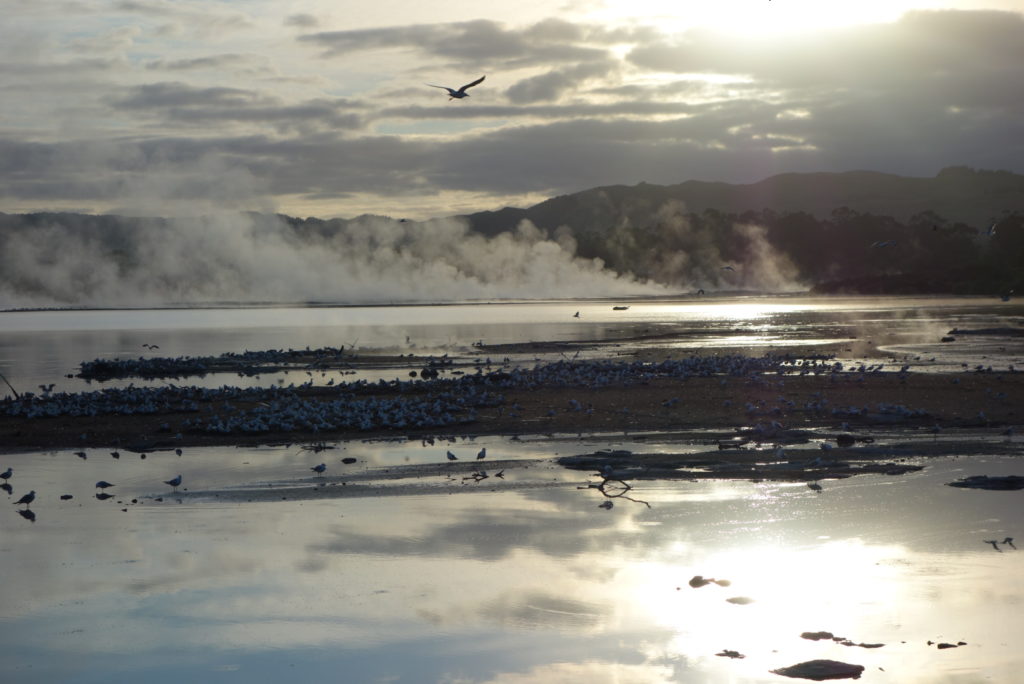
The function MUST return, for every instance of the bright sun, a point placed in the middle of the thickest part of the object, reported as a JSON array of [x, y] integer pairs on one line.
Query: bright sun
[[754, 16]]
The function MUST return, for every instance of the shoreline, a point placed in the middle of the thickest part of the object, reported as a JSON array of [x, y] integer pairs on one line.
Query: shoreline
[[987, 400]]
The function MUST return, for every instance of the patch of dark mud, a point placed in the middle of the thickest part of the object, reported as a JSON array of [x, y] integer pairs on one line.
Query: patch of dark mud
[[800, 466], [1003, 483]]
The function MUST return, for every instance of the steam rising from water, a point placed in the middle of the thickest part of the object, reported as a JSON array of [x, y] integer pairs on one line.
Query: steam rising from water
[[259, 258], [672, 249]]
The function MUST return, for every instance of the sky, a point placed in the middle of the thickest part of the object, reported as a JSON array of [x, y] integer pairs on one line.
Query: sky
[[322, 108]]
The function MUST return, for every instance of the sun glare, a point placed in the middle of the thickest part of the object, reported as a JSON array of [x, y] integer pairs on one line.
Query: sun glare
[[754, 17], [791, 589]]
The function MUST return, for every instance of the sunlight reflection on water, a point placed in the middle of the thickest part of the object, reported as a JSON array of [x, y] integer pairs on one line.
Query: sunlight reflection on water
[[501, 585]]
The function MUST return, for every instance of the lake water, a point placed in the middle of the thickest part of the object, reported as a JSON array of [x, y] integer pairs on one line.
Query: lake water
[[42, 347], [441, 578]]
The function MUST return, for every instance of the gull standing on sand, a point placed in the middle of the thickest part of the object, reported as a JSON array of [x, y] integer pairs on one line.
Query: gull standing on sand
[[174, 482], [319, 469], [27, 499], [461, 92], [481, 454], [6, 475], [451, 456]]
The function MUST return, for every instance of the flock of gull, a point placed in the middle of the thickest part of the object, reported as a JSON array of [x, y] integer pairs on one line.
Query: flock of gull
[[427, 402], [350, 405], [29, 497]]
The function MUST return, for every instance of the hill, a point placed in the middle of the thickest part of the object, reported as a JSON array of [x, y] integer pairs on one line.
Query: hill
[[958, 194]]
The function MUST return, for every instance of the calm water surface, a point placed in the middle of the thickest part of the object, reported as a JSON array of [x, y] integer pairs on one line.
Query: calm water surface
[[498, 584], [524, 580], [42, 347]]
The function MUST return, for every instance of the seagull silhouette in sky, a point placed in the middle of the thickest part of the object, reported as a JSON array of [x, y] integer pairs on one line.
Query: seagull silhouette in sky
[[461, 92]]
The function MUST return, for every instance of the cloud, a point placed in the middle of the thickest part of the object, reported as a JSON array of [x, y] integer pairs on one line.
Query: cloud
[[483, 42], [919, 50], [304, 21], [555, 83], [175, 101], [176, 94], [96, 93], [222, 61]]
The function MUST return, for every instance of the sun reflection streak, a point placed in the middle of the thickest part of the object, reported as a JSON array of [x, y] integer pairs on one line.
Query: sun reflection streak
[[840, 586]]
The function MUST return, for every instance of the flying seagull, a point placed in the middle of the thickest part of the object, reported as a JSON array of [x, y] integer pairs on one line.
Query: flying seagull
[[461, 92]]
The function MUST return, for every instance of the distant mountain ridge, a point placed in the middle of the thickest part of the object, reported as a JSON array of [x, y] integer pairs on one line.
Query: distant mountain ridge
[[958, 194]]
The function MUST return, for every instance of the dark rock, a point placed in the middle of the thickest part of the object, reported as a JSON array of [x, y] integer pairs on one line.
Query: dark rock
[[820, 670], [1004, 483], [817, 636]]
